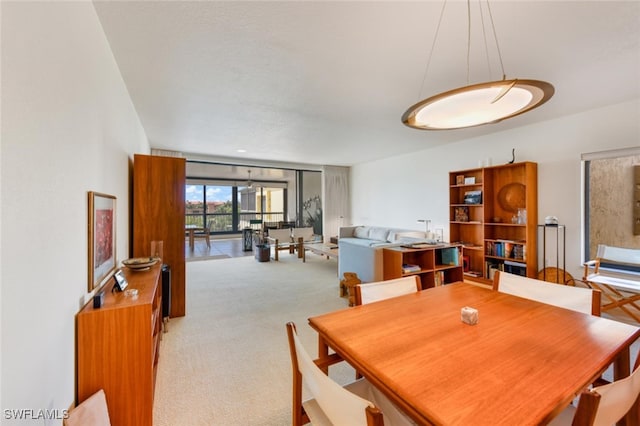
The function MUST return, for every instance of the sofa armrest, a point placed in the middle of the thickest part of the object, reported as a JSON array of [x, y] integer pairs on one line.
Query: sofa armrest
[[347, 231], [361, 258]]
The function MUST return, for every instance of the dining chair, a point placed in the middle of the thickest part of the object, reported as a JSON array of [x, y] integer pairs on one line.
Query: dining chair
[[585, 300], [92, 411], [605, 405], [204, 233], [380, 290], [616, 273], [357, 403]]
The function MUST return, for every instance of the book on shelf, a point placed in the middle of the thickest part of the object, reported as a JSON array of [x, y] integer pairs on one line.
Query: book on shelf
[[475, 274], [505, 248], [450, 256], [491, 267], [408, 268], [438, 278], [515, 268]]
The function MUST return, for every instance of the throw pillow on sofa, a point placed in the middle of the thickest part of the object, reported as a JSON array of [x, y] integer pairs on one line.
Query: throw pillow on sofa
[[379, 234], [361, 232]]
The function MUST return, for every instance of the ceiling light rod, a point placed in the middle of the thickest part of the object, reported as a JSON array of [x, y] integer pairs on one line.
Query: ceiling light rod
[[476, 104]]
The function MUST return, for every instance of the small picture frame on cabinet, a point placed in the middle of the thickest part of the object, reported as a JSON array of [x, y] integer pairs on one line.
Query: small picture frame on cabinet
[[460, 180], [121, 281]]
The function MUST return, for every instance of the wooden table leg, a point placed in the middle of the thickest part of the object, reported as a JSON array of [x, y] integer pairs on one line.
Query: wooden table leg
[[192, 233], [300, 248], [323, 354], [622, 369]]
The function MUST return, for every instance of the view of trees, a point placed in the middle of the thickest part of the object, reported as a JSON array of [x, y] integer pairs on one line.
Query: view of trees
[[219, 214]]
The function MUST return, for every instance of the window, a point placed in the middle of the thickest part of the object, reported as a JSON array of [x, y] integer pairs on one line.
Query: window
[[228, 208], [608, 203]]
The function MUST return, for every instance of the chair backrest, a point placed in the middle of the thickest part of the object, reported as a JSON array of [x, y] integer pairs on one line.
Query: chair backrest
[[619, 258], [380, 290], [605, 405], [92, 411], [282, 235], [579, 299], [305, 233], [339, 405]]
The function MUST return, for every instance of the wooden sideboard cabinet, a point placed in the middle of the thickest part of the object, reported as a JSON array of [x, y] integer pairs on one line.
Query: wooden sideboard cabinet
[[435, 265], [118, 346]]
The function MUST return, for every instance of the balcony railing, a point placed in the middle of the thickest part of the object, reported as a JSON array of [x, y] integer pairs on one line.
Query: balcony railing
[[222, 223]]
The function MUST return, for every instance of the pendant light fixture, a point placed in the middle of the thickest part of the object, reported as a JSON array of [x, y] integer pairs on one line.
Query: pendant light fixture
[[249, 183], [476, 104]]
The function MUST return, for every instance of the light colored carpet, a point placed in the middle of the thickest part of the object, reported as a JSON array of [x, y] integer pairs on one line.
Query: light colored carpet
[[227, 361], [216, 256]]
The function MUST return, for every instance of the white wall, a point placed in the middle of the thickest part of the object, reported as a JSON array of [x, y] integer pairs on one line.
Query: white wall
[[68, 127], [397, 191]]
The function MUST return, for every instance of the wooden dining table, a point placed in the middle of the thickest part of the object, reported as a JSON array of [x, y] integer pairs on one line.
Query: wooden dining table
[[521, 364]]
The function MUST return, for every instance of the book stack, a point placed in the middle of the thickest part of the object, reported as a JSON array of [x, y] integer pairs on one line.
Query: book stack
[[506, 249], [515, 268], [491, 269], [408, 268]]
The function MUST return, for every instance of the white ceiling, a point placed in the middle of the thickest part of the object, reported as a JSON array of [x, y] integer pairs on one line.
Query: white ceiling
[[322, 82]]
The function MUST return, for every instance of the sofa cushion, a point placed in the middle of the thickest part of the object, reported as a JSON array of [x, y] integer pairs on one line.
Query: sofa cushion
[[380, 234], [365, 242], [361, 232]]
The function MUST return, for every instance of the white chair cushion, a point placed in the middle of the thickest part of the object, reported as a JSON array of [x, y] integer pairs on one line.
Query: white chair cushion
[[92, 411], [282, 235], [565, 418], [305, 233], [568, 297], [372, 292], [392, 415]]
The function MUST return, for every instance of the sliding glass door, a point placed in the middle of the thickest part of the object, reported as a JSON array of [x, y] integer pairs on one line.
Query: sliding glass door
[[227, 208]]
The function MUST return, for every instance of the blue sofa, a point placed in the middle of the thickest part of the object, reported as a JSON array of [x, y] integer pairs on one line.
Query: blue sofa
[[360, 249]]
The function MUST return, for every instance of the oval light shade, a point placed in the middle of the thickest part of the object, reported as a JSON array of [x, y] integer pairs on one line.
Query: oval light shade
[[478, 104]]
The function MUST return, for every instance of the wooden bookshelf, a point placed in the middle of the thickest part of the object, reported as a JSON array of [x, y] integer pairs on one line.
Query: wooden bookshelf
[[435, 265], [492, 236]]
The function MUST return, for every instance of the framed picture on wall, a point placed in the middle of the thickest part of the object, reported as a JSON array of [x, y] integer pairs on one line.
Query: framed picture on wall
[[102, 237]]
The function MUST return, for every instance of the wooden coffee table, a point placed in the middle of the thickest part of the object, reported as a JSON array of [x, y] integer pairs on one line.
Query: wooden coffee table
[[323, 249]]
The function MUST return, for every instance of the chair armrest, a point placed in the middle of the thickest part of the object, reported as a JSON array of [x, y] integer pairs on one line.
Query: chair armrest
[[595, 264]]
